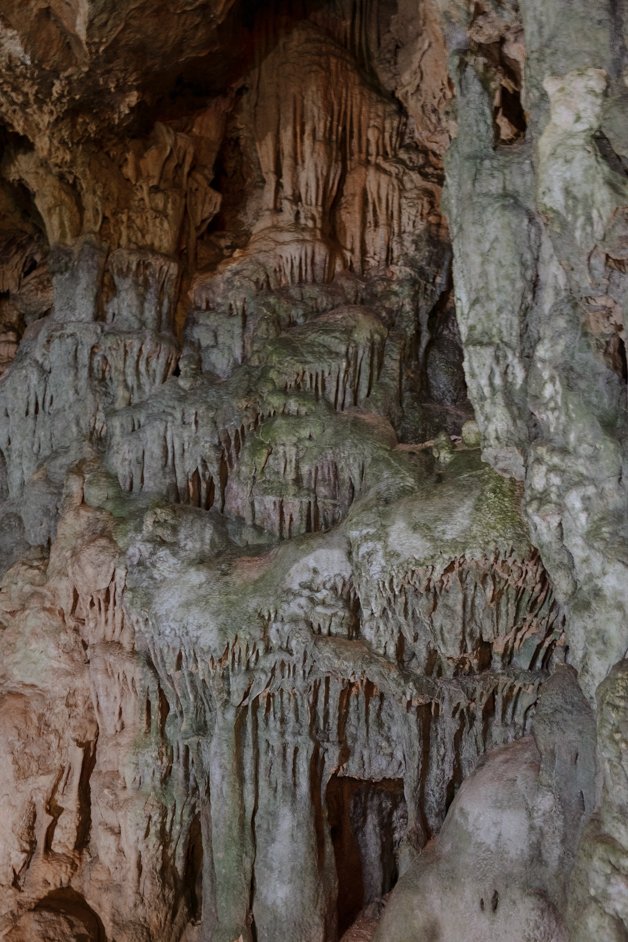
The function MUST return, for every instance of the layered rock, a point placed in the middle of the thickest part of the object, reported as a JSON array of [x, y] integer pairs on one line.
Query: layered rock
[[273, 633], [237, 693]]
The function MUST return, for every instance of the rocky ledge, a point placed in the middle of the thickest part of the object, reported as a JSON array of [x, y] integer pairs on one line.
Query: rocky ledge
[[313, 401]]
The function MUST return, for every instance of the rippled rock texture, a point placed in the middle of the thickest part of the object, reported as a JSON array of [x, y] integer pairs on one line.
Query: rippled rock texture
[[312, 513]]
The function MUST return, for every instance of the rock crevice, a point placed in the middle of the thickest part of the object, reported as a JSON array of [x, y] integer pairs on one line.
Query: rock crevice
[[282, 628]]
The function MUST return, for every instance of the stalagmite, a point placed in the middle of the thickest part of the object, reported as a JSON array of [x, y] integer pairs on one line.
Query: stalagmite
[[312, 426]]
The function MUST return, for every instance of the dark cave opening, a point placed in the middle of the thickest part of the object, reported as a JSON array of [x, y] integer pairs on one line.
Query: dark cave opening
[[72, 906], [366, 820], [503, 74], [510, 117], [615, 355], [193, 873]]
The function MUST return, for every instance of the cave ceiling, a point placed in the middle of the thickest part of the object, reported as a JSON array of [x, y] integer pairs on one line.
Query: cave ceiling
[[313, 446]]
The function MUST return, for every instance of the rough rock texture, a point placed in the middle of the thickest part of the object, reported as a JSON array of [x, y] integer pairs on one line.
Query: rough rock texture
[[498, 864], [543, 318], [543, 324], [474, 881], [281, 626]]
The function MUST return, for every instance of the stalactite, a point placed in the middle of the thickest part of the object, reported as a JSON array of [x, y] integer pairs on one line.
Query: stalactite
[[274, 635]]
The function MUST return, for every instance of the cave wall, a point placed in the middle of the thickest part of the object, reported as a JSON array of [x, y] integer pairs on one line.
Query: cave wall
[[543, 324], [280, 623]]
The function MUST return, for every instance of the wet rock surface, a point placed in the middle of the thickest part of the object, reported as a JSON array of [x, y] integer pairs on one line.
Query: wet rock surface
[[312, 422]]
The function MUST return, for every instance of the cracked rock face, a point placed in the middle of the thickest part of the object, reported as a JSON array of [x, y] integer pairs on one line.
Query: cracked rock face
[[313, 595]]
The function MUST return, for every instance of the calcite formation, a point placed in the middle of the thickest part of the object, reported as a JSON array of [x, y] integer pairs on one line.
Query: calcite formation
[[314, 591]]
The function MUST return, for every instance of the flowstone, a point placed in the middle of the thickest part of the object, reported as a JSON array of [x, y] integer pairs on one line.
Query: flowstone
[[312, 575]]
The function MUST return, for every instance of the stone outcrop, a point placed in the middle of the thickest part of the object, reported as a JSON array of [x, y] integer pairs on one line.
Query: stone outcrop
[[497, 868], [544, 329], [282, 628]]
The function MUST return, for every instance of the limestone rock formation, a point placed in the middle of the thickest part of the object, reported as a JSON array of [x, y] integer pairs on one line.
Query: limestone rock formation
[[497, 866], [312, 512]]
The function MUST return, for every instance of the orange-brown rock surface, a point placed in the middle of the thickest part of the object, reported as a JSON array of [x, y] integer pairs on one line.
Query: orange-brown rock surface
[[282, 627]]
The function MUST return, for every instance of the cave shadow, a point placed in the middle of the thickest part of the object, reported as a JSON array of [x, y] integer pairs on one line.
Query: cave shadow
[[68, 902], [366, 821]]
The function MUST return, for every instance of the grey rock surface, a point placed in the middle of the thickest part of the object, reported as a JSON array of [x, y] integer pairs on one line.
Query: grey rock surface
[[314, 587]]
